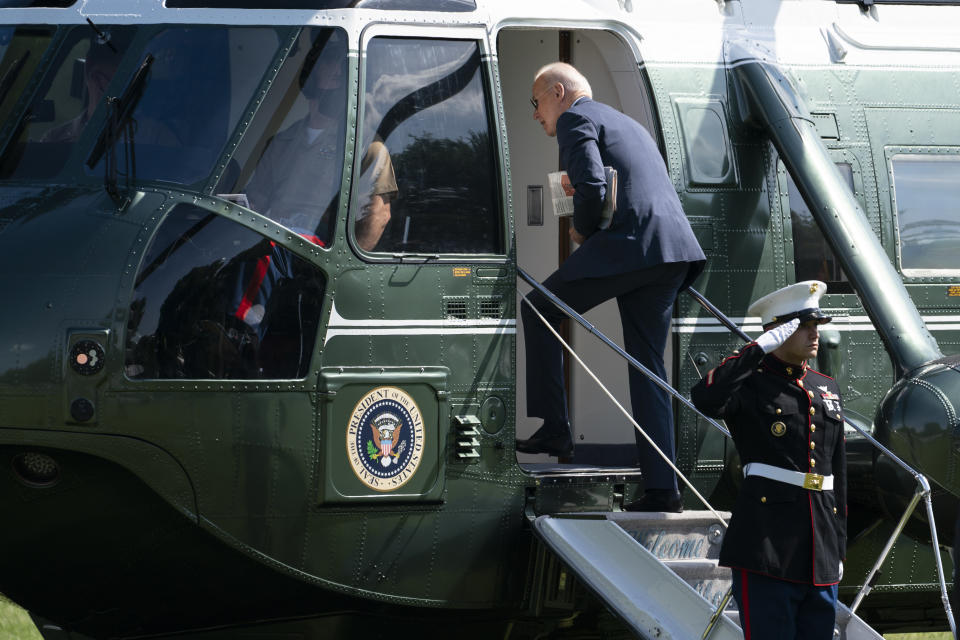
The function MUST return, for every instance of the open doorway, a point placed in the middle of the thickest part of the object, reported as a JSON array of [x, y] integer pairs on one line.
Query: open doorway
[[602, 434]]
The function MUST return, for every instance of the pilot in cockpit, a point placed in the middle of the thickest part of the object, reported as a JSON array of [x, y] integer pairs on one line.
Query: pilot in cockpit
[[100, 64], [297, 180]]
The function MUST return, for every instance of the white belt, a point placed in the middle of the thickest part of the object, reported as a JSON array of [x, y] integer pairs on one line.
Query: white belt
[[812, 481]]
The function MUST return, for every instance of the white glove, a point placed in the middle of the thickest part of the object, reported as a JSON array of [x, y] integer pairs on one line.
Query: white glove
[[778, 335], [841, 569]]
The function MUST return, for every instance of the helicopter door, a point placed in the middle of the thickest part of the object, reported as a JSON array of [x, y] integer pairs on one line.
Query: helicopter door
[[420, 336], [602, 434]]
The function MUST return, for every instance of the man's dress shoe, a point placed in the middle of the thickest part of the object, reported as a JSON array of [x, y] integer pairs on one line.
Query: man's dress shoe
[[551, 438], [663, 500]]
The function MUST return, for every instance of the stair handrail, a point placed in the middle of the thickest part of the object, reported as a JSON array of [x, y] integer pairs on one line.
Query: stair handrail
[[923, 490]]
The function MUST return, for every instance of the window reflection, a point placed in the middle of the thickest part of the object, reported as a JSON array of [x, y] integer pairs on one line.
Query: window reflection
[[21, 49], [63, 106], [200, 83], [289, 166], [214, 300], [927, 195], [813, 258], [425, 107]]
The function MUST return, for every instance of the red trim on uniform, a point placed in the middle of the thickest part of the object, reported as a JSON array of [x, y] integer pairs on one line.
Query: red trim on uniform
[[725, 360], [809, 452], [820, 374], [813, 542], [250, 293], [314, 239], [745, 598]]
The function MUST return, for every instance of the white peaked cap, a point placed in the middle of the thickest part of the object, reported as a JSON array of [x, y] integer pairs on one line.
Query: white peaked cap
[[800, 300]]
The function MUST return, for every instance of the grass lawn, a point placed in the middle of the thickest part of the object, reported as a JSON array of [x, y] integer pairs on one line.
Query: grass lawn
[[15, 624]]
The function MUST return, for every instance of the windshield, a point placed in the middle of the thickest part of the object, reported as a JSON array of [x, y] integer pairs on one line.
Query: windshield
[[21, 49], [201, 82], [124, 105]]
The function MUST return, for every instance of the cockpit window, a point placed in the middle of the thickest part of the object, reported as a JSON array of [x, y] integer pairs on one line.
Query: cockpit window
[[74, 86], [21, 49], [427, 179], [214, 300], [199, 83], [289, 165]]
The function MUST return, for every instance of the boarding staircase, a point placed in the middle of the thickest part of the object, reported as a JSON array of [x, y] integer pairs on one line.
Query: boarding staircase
[[659, 572]]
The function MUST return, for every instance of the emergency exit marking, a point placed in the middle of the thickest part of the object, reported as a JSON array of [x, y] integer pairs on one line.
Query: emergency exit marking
[[464, 272], [953, 291]]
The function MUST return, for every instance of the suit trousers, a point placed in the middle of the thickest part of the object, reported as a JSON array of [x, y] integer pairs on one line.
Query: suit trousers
[[645, 299]]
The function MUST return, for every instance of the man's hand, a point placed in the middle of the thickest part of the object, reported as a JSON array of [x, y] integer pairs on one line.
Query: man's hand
[[575, 236], [778, 335]]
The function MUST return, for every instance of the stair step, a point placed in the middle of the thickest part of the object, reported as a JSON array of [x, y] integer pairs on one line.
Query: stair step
[[688, 544], [675, 536]]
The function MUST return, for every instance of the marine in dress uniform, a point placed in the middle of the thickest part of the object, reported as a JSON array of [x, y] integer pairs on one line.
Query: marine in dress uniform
[[787, 535]]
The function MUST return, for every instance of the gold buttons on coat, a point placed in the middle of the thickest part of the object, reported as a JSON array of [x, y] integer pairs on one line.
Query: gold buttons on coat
[[834, 509], [813, 428], [800, 382], [812, 410], [813, 462], [810, 394], [763, 498], [779, 410], [812, 446], [789, 371]]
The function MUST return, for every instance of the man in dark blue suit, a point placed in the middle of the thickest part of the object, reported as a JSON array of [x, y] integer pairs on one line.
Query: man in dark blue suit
[[644, 257]]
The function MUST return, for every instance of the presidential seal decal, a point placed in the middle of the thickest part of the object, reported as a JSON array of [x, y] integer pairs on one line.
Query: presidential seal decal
[[385, 438]]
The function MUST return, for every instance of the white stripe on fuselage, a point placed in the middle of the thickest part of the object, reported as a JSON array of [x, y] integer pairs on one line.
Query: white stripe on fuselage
[[340, 326]]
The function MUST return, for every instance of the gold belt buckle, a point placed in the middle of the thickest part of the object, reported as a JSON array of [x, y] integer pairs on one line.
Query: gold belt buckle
[[813, 481]]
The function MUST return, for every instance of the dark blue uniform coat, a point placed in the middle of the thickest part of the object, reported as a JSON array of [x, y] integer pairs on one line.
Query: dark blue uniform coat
[[790, 417]]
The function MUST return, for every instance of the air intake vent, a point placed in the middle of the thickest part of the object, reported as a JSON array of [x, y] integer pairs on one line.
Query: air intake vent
[[467, 447], [491, 308], [455, 308]]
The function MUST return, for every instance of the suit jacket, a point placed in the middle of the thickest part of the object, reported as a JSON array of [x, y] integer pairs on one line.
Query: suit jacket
[[789, 417], [649, 227]]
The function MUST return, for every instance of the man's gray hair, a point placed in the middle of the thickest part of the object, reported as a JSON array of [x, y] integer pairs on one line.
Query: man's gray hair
[[572, 80]]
